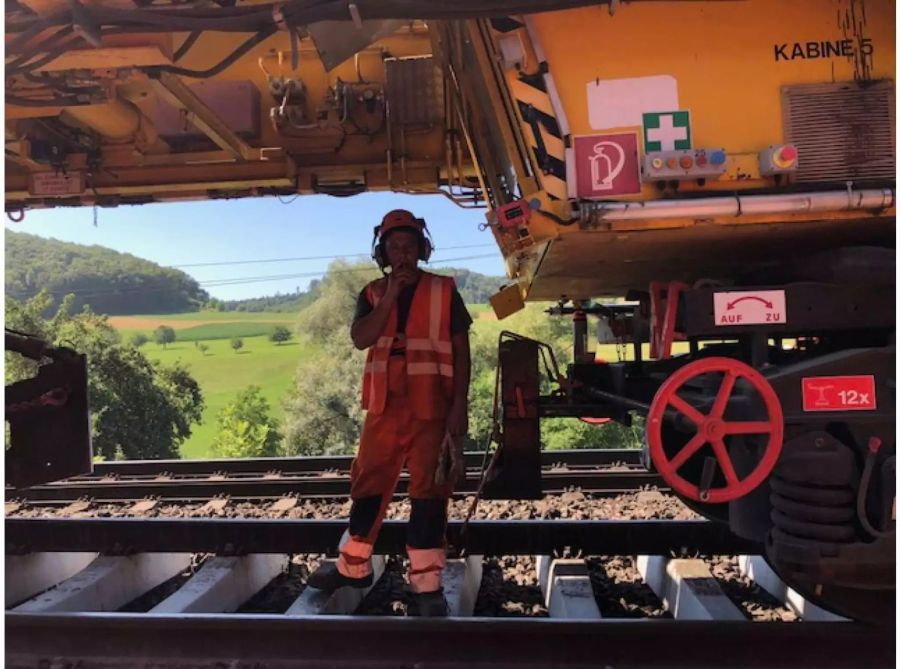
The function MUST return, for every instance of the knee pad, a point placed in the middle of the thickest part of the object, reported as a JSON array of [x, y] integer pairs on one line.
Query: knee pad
[[363, 514], [427, 523]]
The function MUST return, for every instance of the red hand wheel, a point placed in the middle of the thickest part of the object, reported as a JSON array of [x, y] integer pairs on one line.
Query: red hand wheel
[[712, 429]]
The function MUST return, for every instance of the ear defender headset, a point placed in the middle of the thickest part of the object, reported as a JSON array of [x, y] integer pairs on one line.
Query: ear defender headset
[[400, 219]]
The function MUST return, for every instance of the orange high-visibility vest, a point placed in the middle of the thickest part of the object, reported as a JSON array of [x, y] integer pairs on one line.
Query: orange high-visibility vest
[[429, 351]]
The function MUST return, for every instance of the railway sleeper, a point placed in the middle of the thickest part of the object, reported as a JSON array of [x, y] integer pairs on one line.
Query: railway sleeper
[[758, 570], [85, 583], [108, 583], [687, 588], [566, 587]]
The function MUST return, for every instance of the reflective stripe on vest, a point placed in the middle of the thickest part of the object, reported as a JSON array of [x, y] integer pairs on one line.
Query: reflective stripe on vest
[[429, 351]]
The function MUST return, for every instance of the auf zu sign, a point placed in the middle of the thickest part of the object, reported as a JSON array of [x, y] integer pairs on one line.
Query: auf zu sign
[[751, 307]]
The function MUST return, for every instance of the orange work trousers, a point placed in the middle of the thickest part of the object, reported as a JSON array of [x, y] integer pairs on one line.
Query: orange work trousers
[[389, 442]]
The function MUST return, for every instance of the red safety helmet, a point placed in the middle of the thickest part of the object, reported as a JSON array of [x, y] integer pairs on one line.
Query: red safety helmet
[[400, 219]]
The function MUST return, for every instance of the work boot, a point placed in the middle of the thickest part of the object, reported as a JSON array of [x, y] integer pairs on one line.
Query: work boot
[[328, 578], [429, 605]]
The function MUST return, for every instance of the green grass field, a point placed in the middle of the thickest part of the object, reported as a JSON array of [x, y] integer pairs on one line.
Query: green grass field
[[222, 316], [225, 331], [205, 325], [221, 372]]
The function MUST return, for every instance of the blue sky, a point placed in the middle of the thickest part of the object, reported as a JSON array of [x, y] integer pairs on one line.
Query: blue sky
[[265, 228]]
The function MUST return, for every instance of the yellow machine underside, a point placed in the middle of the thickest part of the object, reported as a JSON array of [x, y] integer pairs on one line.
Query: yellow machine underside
[[485, 111]]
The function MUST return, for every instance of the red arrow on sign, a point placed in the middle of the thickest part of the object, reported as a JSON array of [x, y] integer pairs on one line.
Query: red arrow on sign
[[730, 305]]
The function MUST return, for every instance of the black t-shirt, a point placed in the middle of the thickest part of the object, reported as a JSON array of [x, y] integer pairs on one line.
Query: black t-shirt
[[460, 320]]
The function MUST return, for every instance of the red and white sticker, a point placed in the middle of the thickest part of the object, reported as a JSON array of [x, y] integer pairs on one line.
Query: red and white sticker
[[750, 307], [607, 165], [839, 393], [52, 184]]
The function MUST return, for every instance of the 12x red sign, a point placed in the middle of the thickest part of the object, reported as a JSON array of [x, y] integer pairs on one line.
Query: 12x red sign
[[839, 393]]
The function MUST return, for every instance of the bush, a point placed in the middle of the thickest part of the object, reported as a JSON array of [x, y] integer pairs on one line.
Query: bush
[[280, 334], [164, 335], [237, 343], [245, 428], [138, 339]]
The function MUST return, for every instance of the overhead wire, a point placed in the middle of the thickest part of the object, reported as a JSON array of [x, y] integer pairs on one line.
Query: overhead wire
[[305, 275], [301, 258], [216, 283]]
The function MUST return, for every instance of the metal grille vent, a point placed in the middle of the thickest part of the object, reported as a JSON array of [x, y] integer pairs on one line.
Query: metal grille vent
[[415, 90], [844, 131]]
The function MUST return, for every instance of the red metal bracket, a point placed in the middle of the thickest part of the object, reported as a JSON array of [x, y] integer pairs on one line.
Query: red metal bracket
[[663, 311]]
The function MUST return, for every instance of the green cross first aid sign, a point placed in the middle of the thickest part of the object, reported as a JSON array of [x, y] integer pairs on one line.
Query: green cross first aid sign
[[667, 131]]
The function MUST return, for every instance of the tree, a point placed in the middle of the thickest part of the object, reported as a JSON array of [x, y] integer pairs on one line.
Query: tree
[[164, 335], [323, 414], [138, 339], [336, 302], [245, 428], [280, 334], [139, 409], [237, 343], [203, 348]]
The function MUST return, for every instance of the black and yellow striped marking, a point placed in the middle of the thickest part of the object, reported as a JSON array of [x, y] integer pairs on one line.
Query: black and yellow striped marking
[[541, 130]]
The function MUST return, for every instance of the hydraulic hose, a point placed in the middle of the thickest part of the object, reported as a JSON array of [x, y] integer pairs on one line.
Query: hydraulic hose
[[57, 44], [865, 479], [28, 34], [225, 62], [186, 45]]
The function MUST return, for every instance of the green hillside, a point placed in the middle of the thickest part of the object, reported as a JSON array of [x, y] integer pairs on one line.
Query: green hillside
[[111, 282]]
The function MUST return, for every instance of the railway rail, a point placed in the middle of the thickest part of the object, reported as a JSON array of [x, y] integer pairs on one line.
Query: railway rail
[[630, 457], [101, 592], [600, 472], [105, 611], [104, 641], [240, 536]]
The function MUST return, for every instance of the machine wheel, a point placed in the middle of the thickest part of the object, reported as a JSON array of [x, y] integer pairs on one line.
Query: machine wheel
[[712, 429]]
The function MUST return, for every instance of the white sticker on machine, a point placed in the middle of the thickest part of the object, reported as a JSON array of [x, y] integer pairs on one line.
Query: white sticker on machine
[[750, 307], [622, 103], [56, 184]]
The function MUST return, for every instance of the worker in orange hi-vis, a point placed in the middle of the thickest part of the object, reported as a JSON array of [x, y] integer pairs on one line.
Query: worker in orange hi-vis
[[415, 391]]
